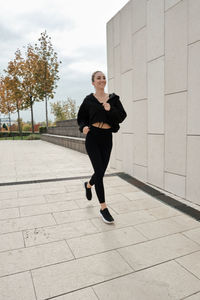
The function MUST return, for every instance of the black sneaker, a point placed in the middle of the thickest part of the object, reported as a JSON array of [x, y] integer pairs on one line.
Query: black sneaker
[[106, 216], [88, 192]]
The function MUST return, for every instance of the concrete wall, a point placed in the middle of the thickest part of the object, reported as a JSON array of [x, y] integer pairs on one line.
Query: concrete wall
[[74, 143], [153, 52], [66, 128], [66, 133]]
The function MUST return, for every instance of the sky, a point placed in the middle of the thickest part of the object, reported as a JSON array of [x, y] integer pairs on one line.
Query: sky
[[78, 33]]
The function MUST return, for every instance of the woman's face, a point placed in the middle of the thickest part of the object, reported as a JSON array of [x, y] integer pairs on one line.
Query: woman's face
[[99, 80]]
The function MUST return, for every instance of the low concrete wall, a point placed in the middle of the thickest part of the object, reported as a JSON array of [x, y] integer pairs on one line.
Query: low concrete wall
[[66, 128], [74, 143], [66, 133]]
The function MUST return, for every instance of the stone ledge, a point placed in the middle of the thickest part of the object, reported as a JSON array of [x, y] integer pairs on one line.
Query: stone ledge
[[74, 143], [64, 136]]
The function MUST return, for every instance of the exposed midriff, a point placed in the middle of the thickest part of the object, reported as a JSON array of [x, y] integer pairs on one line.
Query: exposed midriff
[[101, 125]]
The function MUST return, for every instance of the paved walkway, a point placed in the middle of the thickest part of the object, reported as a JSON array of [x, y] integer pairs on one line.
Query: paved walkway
[[35, 160], [54, 245]]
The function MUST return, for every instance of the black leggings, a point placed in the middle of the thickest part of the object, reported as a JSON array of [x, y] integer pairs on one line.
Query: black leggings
[[98, 144]]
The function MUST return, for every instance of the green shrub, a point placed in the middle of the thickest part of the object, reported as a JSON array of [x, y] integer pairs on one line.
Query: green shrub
[[33, 137], [13, 133], [43, 129]]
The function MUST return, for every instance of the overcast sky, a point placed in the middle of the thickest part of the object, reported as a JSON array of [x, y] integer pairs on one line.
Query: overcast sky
[[78, 32]]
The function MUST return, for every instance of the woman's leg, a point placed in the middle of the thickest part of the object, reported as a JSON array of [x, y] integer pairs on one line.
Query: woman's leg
[[105, 154], [99, 149], [105, 151]]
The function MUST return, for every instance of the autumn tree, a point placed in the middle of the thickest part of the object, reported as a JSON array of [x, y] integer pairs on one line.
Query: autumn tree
[[65, 110], [7, 106], [48, 71], [31, 79], [14, 72]]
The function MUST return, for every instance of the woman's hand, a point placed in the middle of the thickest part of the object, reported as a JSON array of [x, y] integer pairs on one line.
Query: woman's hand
[[86, 129], [106, 106]]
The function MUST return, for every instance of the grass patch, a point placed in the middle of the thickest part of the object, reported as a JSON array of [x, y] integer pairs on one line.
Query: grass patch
[[28, 137], [33, 137]]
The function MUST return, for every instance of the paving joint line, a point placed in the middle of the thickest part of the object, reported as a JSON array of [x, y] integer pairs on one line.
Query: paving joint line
[[50, 180]]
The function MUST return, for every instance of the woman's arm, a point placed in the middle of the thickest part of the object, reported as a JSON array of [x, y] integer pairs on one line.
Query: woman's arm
[[117, 112], [82, 117]]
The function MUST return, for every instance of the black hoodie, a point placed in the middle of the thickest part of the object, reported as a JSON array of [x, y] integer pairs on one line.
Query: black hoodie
[[92, 111]]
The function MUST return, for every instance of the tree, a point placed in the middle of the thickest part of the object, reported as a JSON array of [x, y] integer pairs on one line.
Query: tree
[[7, 106], [64, 110], [30, 71], [15, 73], [48, 72]]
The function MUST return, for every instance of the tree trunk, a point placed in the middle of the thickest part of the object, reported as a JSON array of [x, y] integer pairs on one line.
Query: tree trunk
[[19, 125], [32, 122], [46, 106], [10, 124]]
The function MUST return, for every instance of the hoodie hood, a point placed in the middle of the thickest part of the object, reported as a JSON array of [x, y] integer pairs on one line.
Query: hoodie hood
[[111, 96]]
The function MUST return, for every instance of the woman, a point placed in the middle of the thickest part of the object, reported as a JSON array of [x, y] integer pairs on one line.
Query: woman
[[99, 116]]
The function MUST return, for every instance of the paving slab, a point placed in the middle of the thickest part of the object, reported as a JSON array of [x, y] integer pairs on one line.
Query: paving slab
[[165, 281], [156, 251], [11, 241], [18, 285], [20, 260], [79, 273], [193, 234], [101, 242], [191, 262]]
